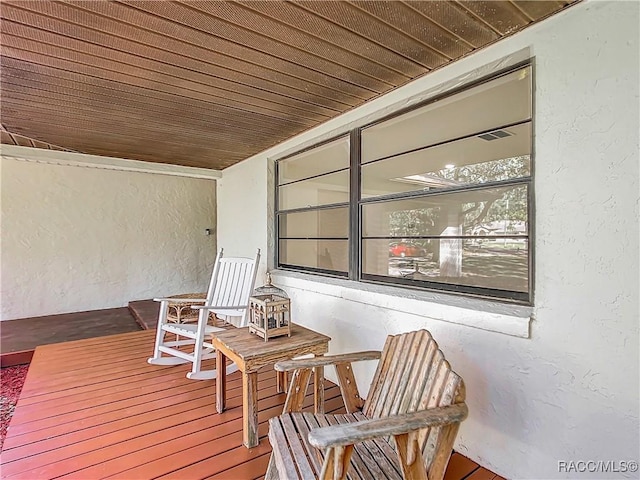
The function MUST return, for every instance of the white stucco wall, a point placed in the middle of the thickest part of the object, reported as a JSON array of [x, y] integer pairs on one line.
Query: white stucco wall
[[570, 391], [246, 193], [76, 239]]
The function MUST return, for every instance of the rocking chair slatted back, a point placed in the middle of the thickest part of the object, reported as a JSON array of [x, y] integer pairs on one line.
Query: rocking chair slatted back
[[231, 284]]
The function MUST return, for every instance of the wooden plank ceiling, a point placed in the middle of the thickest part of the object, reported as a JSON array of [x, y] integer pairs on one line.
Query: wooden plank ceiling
[[210, 83]]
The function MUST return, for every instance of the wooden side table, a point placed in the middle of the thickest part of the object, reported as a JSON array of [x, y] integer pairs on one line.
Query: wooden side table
[[250, 353]]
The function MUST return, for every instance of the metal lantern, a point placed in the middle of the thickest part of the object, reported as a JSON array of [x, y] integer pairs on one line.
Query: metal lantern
[[269, 311]]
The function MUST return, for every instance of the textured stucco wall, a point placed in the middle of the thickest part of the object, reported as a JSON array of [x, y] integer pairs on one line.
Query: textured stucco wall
[[570, 391], [76, 239], [245, 213]]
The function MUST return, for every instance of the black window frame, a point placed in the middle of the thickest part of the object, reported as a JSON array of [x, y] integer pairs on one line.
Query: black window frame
[[280, 212], [356, 203]]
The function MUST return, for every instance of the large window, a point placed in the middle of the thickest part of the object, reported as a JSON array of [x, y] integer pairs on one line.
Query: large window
[[443, 200], [313, 209]]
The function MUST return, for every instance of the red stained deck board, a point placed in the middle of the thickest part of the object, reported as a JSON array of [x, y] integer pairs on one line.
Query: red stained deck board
[[109, 427], [15, 358], [106, 420], [459, 467], [245, 470], [482, 474], [36, 417], [223, 461]]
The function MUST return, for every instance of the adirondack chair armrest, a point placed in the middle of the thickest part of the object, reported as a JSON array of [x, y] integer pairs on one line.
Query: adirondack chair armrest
[[218, 307], [179, 300], [351, 433], [325, 360]]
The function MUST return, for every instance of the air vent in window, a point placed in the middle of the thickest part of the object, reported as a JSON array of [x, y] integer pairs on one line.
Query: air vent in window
[[494, 135]]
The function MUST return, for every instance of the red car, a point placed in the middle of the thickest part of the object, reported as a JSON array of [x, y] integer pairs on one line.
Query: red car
[[404, 249]]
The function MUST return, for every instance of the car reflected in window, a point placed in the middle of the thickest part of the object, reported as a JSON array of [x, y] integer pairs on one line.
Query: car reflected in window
[[406, 249]]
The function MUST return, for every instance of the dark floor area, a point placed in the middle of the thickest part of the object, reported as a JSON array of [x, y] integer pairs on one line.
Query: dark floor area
[[18, 338]]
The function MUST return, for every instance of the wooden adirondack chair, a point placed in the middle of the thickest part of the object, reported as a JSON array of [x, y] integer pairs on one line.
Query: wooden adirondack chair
[[415, 398], [231, 284]]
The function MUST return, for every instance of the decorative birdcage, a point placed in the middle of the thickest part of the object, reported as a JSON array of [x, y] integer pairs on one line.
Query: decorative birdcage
[[269, 311]]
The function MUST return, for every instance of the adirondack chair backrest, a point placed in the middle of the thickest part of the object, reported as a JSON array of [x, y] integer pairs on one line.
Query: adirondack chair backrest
[[413, 375], [231, 283]]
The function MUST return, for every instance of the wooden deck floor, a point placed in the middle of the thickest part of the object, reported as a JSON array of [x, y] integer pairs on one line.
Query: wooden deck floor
[[95, 409]]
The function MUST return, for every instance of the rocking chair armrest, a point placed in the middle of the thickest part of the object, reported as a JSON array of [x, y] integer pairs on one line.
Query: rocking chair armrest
[[351, 433], [218, 307], [325, 360], [180, 300]]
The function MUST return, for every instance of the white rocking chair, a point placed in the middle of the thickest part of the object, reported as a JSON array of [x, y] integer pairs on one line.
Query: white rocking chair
[[228, 295]]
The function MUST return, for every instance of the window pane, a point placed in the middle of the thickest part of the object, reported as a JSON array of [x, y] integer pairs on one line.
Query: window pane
[[327, 158], [324, 190], [485, 212], [326, 223], [468, 161], [499, 263], [323, 254], [502, 101]]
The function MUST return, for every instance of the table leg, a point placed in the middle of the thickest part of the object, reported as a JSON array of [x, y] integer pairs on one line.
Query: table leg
[[250, 409], [318, 389], [221, 381]]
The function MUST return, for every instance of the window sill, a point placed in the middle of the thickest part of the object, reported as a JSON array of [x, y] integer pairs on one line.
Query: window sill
[[479, 313]]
